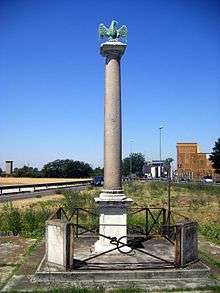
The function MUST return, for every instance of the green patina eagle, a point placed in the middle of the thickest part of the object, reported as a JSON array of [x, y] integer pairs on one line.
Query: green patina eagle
[[112, 33]]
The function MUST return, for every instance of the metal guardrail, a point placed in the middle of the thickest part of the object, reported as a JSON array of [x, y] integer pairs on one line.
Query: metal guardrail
[[5, 189]]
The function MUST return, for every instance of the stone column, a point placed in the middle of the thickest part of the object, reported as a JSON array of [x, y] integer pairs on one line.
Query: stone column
[[112, 202], [112, 150]]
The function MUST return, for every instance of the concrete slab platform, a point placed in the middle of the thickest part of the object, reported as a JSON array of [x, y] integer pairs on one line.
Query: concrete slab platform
[[119, 267]]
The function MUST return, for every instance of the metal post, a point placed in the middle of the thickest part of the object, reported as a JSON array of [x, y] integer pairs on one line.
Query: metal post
[[164, 216], [146, 220], [177, 260], [168, 217], [77, 223], [164, 229], [58, 214]]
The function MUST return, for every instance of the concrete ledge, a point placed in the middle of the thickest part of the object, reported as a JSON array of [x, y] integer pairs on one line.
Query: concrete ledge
[[195, 271]]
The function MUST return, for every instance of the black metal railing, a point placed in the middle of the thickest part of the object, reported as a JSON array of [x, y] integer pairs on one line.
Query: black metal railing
[[142, 221], [151, 222]]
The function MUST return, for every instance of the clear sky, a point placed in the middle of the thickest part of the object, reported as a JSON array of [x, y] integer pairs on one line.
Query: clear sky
[[52, 77]]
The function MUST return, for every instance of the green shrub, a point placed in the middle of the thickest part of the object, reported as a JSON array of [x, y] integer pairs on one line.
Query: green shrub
[[74, 199], [11, 219], [34, 221], [78, 199], [211, 230], [29, 222]]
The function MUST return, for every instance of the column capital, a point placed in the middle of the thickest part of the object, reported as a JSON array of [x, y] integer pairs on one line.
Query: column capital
[[112, 49]]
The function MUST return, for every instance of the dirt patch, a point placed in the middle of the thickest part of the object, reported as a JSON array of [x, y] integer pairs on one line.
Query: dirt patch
[[31, 263], [5, 272], [12, 249]]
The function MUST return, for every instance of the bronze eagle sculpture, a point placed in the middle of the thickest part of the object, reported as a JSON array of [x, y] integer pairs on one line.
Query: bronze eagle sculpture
[[112, 33]]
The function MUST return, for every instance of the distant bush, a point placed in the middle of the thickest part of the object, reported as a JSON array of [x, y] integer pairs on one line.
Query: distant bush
[[26, 171], [67, 169]]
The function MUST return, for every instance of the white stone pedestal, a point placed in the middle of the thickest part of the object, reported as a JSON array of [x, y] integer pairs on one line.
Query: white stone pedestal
[[112, 220], [59, 247]]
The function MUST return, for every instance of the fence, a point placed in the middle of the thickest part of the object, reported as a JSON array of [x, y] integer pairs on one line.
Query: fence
[[149, 223]]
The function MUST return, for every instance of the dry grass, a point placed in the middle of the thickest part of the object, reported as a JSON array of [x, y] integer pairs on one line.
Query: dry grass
[[28, 180], [25, 203], [201, 203]]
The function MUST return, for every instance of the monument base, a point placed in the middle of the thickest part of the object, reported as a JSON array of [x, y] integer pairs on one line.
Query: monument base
[[112, 220]]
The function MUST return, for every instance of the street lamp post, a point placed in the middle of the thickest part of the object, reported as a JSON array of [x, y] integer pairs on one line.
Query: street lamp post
[[160, 132]]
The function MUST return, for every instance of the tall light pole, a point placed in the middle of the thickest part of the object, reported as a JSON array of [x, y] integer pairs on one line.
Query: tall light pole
[[160, 132]]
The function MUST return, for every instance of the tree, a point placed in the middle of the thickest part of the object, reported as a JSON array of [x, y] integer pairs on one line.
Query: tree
[[98, 172], [167, 166], [133, 164], [26, 171], [0, 171], [215, 156], [67, 169]]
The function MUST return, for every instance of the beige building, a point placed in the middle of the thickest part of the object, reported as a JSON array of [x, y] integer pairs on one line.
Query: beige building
[[192, 163], [8, 167]]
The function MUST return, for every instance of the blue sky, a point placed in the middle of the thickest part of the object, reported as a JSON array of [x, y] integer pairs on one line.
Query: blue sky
[[52, 77]]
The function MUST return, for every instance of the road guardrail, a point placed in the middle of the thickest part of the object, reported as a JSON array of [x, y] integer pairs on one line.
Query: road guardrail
[[19, 188]]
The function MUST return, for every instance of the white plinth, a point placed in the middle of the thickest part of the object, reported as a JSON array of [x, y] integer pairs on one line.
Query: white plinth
[[112, 220], [59, 237]]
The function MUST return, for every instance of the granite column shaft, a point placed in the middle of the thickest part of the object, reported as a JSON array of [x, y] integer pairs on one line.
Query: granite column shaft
[[112, 136]]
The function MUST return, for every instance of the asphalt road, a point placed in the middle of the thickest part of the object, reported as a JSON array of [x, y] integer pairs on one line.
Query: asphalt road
[[27, 194]]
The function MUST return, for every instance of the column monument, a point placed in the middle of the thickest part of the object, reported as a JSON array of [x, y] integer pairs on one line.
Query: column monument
[[112, 202]]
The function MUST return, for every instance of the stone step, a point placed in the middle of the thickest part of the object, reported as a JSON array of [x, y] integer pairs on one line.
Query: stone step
[[198, 270], [22, 282]]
